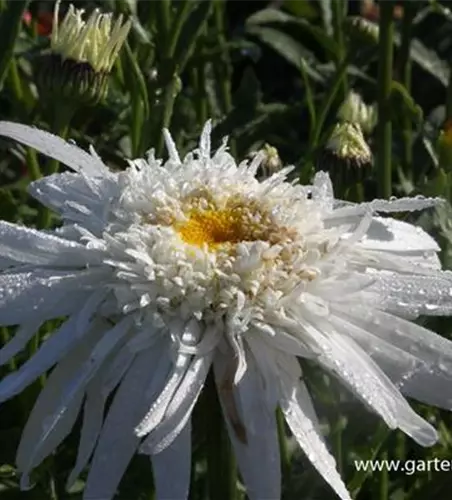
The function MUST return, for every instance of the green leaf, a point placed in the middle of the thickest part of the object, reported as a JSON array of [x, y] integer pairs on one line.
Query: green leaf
[[249, 95], [427, 60], [327, 15], [288, 48], [302, 8], [402, 103], [190, 33], [274, 16], [9, 28]]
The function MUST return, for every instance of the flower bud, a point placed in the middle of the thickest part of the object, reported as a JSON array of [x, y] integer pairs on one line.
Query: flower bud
[[271, 162], [355, 110], [82, 54], [346, 154], [361, 32]]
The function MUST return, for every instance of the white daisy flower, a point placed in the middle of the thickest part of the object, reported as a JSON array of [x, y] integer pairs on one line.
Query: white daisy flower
[[167, 270]]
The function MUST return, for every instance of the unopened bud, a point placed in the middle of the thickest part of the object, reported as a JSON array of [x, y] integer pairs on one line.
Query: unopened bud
[[82, 54]]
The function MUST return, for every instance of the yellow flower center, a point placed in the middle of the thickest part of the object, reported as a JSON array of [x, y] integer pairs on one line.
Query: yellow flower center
[[215, 227]]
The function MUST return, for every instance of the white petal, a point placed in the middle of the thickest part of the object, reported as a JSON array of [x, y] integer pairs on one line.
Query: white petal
[[51, 351], [118, 442], [417, 360], [392, 235], [309, 439], [53, 146], [52, 416], [172, 468], [44, 293], [28, 246], [323, 191], [78, 198], [180, 408], [419, 375], [251, 425], [368, 382], [415, 295], [18, 341], [191, 333], [97, 393]]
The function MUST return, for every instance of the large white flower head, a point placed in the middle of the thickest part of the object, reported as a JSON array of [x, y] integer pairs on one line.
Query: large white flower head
[[169, 269]]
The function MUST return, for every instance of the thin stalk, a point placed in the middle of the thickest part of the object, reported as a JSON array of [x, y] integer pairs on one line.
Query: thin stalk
[[176, 27], [405, 76], [198, 83], [337, 442], [326, 104], [14, 80], [62, 118], [384, 127], [449, 95], [221, 467], [225, 67], [171, 92], [384, 478], [360, 476], [10, 24], [5, 337], [339, 8], [283, 448], [163, 14], [16, 87]]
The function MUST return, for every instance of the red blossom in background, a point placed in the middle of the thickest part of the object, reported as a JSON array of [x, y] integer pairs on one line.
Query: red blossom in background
[[44, 21]]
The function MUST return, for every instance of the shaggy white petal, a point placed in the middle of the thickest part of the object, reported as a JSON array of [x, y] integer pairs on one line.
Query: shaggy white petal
[[53, 415], [179, 410], [55, 147], [96, 396], [172, 467], [29, 246], [310, 440], [51, 351], [43, 293], [117, 442], [393, 235], [414, 372], [251, 425], [368, 382], [87, 201], [19, 340]]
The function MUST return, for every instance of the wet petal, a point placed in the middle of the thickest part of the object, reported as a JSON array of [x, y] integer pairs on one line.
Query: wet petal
[[251, 423]]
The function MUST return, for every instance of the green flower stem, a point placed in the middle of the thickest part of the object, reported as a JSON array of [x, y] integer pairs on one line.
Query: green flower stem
[[337, 443], [184, 9], [384, 126], [221, 467], [327, 103], [225, 67], [354, 486], [339, 9], [449, 95], [405, 74], [5, 337], [62, 118], [10, 24], [16, 87], [163, 14], [171, 91], [198, 83], [283, 448], [384, 478]]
